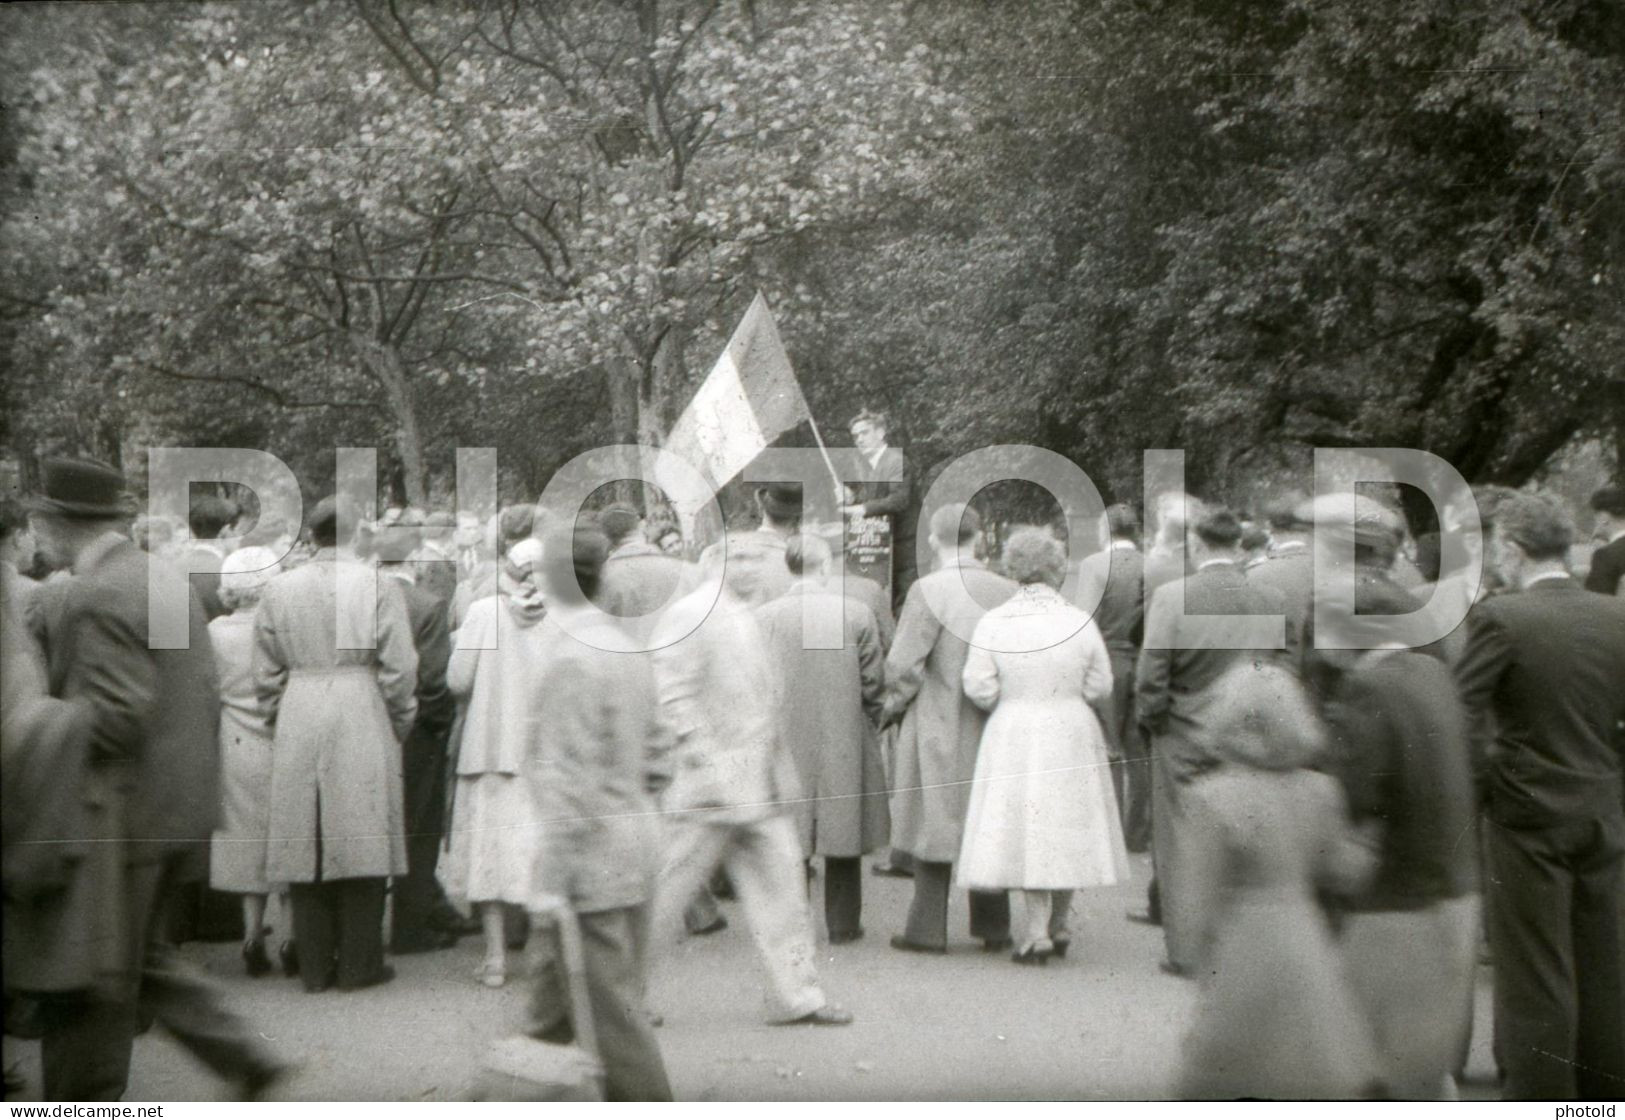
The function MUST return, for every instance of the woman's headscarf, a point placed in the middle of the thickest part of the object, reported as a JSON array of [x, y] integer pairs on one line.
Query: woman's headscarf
[[515, 583]]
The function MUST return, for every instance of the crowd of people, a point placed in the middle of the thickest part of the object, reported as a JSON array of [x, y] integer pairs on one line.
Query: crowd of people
[[504, 726]]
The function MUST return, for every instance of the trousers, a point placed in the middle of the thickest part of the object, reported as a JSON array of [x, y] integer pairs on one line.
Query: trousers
[[87, 1040], [928, 912], [763, 859], [339, 926], [1555, 896], [614, 944]]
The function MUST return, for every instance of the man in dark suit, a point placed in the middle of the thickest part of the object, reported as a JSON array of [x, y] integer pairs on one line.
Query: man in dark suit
[[1184, 657], [870, 496], [423, 768], [153, 750], [1607, 573], [1117, 575], [1547, 662], [1290, 570]]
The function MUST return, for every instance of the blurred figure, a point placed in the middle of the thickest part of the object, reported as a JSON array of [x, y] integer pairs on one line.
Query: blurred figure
[[1177, 685], [1041, 818], [512, 525], [339, 694], [1255, 544], [238, 850], [155, 535], [434, 563], [589, 772], [1290, 571], [830, 687], [941, 732], [732, 777], [668, 538], [1165, 558], [1411, 938], [151, 778], [1276, 1019], [1545, 660], [493, 672], [1117, 576], [1607, 575]]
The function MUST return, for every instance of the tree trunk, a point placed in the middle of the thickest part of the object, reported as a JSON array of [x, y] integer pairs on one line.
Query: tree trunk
[[383, 363]]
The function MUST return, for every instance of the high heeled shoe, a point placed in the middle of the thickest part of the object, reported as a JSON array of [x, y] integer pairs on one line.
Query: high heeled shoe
[[1038, 953], [255, 960]]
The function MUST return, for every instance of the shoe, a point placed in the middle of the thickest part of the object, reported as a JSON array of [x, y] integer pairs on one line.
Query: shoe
[[1144, 917], [997, 944], [288, 953], [1038, 953], [828, 1015], [846, 937], [1062, 944], [891, 871], [255, 959], [493, 974], [446, 919], [383, 976], [430, 941], [907, 946], [717, 925], [1172, 969]]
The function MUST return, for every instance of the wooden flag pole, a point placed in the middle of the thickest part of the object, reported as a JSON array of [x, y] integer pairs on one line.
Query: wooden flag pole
[[824, 451]]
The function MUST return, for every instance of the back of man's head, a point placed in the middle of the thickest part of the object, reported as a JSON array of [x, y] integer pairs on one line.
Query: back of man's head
[[1541, 529], [619, 523], [1122, 523], [955, 525], [807, 554], [1219, 529], [209, 515]]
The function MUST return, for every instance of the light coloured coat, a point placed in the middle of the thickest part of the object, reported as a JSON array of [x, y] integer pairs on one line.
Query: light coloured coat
[[828, 700], [339, 716], [936, 747]]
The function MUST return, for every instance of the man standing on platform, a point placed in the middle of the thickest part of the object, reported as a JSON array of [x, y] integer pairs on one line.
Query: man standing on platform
[[941, 731], [1546, 660], [871, 496], [1185, 657], [1117, 575]]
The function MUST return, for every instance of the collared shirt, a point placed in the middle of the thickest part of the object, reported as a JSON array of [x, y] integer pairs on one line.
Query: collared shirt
[[1619, 535], [1543, 577], [874, 456], [1206, 564], [1124, 546], [1287, 548], [405, 575]]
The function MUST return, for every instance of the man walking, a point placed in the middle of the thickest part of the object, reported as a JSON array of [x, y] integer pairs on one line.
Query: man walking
[[732, 779]]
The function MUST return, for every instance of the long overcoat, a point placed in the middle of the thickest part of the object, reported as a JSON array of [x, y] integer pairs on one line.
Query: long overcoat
[[936, 747], [339, 717], [828, 700]]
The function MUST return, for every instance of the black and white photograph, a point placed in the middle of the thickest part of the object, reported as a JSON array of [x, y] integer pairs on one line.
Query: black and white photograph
[[812, 550]]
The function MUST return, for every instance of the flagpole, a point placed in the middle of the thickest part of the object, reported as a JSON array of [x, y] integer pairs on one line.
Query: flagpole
[[823, 450]]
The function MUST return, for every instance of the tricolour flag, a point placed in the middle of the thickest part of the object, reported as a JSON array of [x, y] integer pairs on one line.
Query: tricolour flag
[[749, 399]]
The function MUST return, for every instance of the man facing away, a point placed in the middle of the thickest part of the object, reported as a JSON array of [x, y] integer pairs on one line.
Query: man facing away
[[1117, 575], [1547, 661], [941, 731], [1176, 683], [831, 679], [732, 778]]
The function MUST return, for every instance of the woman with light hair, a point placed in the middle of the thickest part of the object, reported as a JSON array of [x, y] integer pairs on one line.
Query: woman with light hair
[[238, 849], [493, 672], [1277, 1018], [1043, 817]]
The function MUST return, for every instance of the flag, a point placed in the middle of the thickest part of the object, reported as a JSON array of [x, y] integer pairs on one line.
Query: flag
[[749, 399]]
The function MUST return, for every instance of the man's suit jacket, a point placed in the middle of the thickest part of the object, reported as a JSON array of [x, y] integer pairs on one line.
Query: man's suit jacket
[[431, 637], [1119, 573], [157, 711], [1548, 663], [1181, 661], [892, 500], [1292, 574], [1607, 569]]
